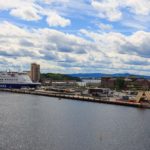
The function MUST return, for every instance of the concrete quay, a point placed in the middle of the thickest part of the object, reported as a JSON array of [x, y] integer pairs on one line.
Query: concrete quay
[[75, 97]]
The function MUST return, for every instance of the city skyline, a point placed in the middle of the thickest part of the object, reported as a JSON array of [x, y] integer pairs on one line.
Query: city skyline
[[107, 36]]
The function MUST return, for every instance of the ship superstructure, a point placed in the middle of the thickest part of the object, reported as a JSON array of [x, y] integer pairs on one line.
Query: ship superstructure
[[16, 80]]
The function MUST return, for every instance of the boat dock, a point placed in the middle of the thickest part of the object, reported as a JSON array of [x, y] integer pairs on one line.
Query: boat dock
[[75, 97]]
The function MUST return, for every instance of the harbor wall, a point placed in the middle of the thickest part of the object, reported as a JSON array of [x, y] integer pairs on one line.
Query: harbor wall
[[75, 97]]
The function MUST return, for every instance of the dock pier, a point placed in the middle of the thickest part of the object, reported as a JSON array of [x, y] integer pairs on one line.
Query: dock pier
[[75, 97]]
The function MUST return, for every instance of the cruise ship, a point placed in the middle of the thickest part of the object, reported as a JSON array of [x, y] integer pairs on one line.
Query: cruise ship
[[16, 80]]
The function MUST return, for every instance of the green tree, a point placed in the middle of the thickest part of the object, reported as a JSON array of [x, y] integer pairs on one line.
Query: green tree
[[120, 84]]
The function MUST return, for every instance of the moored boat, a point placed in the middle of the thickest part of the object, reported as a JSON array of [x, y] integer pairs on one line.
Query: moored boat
[[16, 80]]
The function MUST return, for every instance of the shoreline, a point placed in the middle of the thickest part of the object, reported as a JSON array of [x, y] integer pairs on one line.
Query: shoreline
[[74, 97]]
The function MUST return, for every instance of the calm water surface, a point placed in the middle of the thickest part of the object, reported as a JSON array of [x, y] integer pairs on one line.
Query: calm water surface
[[41, 123]]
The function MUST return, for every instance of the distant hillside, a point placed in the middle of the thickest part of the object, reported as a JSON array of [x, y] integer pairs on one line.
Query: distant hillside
[[99, 75], [59, 77], [87, 75]]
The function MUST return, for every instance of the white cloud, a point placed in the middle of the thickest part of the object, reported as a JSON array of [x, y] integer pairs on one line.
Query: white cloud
[[89, 52], [25, 13], [141, 7], [32, 10], [26, 10], [57, 51], [9, 30], [56, 1], [113, 9], [105, 27], [107, 9], [112, 43], [8, 4], [54, 19], [46, 46]]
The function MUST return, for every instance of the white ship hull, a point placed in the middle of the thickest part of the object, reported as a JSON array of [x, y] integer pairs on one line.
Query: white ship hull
[[18, 86], [16, 80]]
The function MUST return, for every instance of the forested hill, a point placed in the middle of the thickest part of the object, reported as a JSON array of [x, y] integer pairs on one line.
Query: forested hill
[[100, 75], [58, 77]]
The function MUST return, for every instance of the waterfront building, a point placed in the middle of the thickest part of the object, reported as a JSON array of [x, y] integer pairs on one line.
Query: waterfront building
[[129, 83], [100, 92], [35, 72], [64, 84], [46, 82], [108, 82]]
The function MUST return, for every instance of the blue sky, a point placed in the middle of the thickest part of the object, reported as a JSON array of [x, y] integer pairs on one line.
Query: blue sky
[[69, 36]]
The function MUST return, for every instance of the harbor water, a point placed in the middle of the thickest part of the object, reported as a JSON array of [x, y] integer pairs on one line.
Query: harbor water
[[29, 122]]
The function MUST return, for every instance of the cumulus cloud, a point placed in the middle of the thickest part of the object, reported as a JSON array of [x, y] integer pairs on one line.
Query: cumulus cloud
[[26, 43], [8, 4], [42, 45], [54, 19], [123, 51], [31, 10], [113, 10], [68, 49], [56, 1], [25, 13], [138, 43], [105, 27], [107, 9], [10, 30], [26, 10], [139, 7], [56, 51], [135, 44]]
